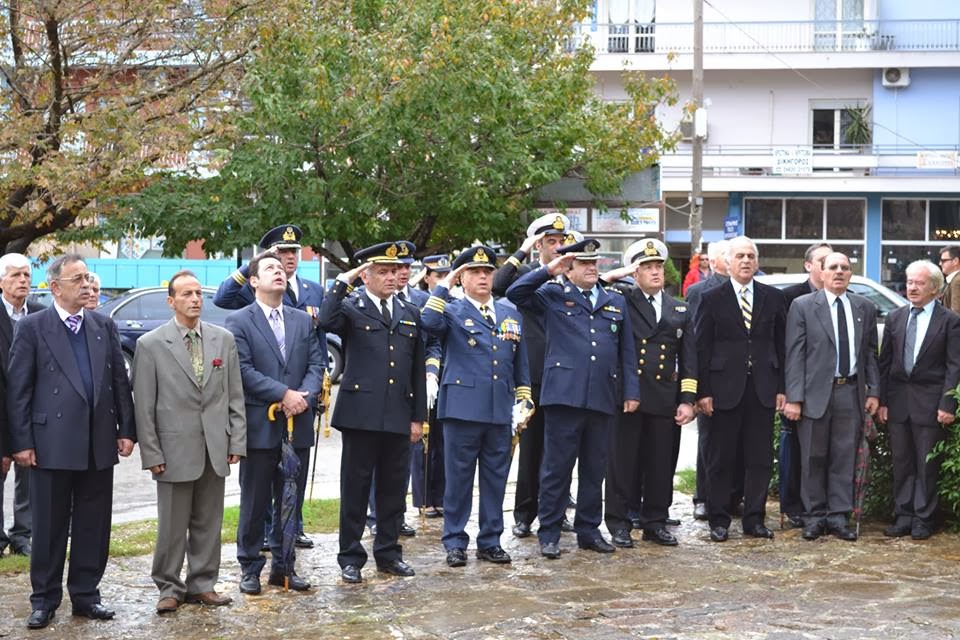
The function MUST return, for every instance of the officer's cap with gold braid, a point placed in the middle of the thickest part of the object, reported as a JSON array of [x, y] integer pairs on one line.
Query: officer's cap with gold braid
[[286, 236], [479, 256], [646, 250], [387, 253], [439, 263], [586, 249], [551, 223]]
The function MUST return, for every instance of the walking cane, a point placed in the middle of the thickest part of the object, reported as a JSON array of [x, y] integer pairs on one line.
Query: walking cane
[[325, 403]]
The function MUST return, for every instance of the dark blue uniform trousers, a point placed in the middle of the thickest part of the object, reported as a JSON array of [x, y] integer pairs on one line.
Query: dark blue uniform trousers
[[465, 444], [570, 434]]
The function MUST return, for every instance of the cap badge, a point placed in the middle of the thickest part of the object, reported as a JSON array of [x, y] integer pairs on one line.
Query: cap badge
[[650, 250], [480, 256], [558, 223], [403, 250], [391, 251], [289, 235]]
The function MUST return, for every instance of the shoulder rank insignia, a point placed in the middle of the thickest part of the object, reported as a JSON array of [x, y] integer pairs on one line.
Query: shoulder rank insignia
[[680, 308], [611, 308], [468, 322], [409, 322]]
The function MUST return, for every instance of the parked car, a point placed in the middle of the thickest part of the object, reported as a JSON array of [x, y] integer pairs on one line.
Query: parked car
[[40, 296], [139, 310], [885, 299]]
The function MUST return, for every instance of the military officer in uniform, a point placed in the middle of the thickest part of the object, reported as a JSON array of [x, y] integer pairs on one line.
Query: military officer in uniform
[[589, 377], [381, 405], [640, 470], [546, 234], [236, 293], [485, 374]]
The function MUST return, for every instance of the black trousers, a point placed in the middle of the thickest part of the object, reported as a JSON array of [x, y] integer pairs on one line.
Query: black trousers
[[640, 470], [363, 454], [259, 482], [79, 503], [526, 500], [747, 429]]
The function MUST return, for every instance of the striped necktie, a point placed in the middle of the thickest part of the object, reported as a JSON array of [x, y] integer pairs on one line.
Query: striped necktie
[[73, 322], [745, 308]]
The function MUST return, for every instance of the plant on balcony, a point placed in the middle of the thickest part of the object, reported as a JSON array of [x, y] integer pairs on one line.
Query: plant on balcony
[[859, 131]]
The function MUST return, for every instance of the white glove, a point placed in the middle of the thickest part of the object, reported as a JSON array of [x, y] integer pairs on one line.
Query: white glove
[[433, 390], [520, 416]]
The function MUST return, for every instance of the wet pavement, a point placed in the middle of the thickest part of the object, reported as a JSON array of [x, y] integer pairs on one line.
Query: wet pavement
[[744, 588]]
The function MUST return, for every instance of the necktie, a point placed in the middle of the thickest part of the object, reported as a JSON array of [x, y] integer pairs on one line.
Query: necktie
[[910, 341], [401, 295], [653, 306], [195, 349], [385, 311], [73, 323], [589, 298], [291, 295], [485, 312], [276, 323], [745, 308], [843, 340]]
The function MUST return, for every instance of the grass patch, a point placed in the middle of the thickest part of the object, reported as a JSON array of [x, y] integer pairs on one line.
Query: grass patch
[[139, 538], [685, 481]]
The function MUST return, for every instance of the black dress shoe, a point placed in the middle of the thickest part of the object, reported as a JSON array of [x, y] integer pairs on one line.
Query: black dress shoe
[[494, 554], [636, 523], [434, 513], [456, 557], [843, 533], [407, 531], [296, 582], [40, 618], [812, 531], [303, 542], [351, 574], [94, 611], [700, 511], [660, 535], [22, 549], [250, 584], [522, 530], [719, 534], [566, 526], [920, 532], [397, 568], [672, 522], [598, 544], [898, 530], [550, 550], [793, 521], [759, 531], [621, 538]]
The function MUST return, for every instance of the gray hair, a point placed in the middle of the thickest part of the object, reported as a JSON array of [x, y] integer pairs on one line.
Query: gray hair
[[936, 276], [716, 250], [95, 278], [13, 261], [55, 268], [728, 256], [812, 249]]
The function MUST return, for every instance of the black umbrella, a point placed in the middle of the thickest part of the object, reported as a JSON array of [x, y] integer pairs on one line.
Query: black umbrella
[[289, 467]]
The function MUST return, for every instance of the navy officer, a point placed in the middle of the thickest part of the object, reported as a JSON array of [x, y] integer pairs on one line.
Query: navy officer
[[485, 373], [589, 374]]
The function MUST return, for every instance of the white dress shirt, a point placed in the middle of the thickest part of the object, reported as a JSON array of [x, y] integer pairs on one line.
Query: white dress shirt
[[851, 334]]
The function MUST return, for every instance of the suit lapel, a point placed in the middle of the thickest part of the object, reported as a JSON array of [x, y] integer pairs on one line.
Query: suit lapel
[[260, 322], [178, 349], [56, 338], [824, 314], [857, 311], [935, 327], [6, 333], [99, 348], [645, 309], [759, 296]]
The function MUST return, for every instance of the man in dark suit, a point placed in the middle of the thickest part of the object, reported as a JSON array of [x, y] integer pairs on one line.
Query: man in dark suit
[[950, 265], [588, 378], [791, 504], [546, 234], [280, 361], [284, 242], [831, 379], [740, 333], [381, 405], [716, 253], [919, 365], [640, 469], [484, 376], [70, 414], [15, 276]]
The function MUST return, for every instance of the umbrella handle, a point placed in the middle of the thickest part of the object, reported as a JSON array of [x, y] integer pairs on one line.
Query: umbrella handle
[[272, 415]]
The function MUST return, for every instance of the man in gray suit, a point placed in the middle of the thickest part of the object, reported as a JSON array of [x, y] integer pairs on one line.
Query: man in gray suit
[[831, 379], [280, 362], [191, 428]]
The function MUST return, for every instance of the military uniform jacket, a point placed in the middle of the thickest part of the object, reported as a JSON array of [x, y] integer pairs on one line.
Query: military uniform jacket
[[589, 360], [485, 367], [533, 336], [383, 387], [666, 352]]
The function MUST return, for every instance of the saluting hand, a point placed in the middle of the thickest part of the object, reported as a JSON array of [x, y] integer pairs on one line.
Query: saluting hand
[[453, 277], [560, 264], [530, 242], [354, 273], [618, 273]]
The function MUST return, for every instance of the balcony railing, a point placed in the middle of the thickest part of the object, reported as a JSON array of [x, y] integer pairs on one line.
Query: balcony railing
[[781, 37]]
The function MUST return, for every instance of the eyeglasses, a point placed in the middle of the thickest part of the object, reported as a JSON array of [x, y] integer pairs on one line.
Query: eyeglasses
[[947, 259], [80, 277]]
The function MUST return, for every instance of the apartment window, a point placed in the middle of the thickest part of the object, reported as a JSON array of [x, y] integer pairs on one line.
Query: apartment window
[[830, 121], [630, 26], [839, 24], [915, 229], [904, 219]]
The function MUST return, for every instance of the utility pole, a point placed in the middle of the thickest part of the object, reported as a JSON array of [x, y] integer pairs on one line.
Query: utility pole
[[696, 179]]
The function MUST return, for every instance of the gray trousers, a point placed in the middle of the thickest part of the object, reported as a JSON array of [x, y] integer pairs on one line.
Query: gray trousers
[[190, 515], [828, 453], [914, 479], [20, 532]]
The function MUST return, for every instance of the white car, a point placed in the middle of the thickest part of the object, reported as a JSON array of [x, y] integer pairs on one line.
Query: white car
[[885, 299]]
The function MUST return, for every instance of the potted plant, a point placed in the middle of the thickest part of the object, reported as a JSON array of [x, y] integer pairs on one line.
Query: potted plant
[[859, 130]]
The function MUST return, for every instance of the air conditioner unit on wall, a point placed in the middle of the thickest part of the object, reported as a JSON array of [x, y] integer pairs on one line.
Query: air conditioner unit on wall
[[896, 77]]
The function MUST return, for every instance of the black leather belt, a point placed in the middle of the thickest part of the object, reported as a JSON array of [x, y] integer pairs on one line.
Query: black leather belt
[[846, 380]]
